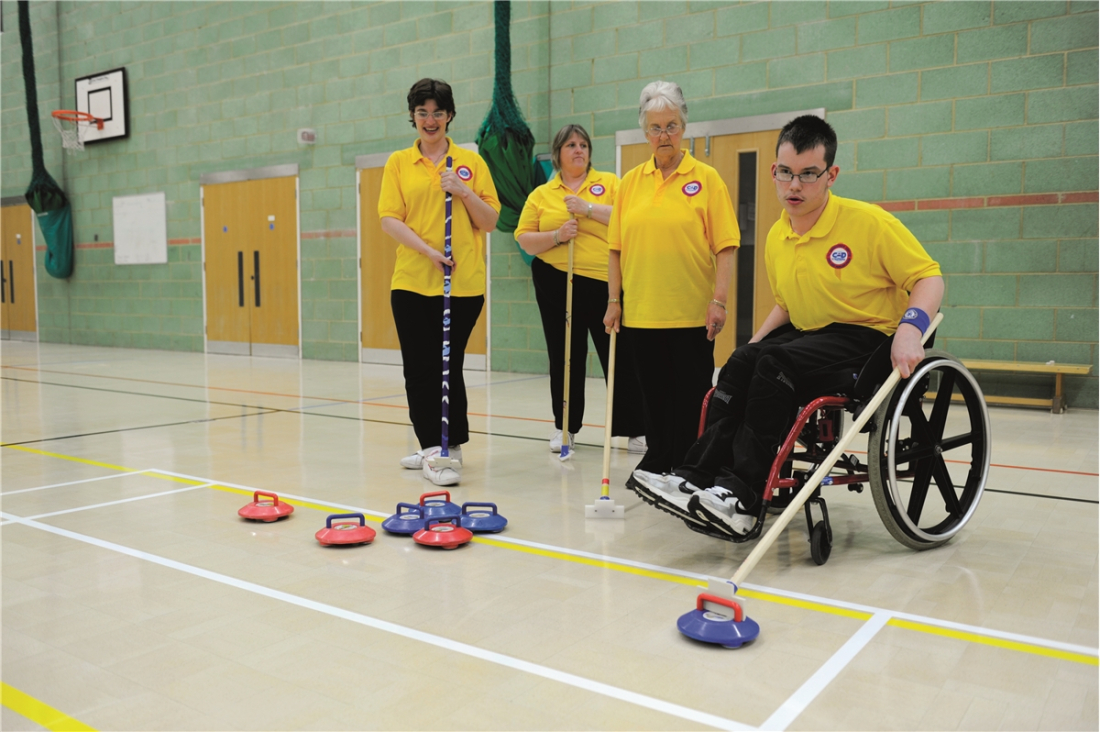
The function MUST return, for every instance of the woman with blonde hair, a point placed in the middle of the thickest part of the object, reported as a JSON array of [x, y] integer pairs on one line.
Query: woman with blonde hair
[[576, 205]]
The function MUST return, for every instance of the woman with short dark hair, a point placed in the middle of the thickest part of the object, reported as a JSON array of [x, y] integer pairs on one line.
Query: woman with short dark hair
[[411, 209], [576, 204]]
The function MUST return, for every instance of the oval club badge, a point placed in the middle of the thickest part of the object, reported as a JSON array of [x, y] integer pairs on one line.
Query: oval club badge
[[692, 188], [597, 190], [464, 173], [839, 256]]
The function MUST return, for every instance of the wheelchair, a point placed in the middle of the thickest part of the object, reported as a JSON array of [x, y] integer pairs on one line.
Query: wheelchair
[[926, 465]]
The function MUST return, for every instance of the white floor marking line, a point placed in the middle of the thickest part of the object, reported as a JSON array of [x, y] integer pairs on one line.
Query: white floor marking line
[[115, 503], [73, 482], [794, 706], [579, 682], [869, 609]]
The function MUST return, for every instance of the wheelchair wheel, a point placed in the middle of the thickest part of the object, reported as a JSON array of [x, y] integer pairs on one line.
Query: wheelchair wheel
[[821, 546], [932, 461]]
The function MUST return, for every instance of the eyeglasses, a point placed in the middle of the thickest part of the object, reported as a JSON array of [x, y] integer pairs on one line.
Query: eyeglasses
[[807, 177], [438, 115], [671, 130]]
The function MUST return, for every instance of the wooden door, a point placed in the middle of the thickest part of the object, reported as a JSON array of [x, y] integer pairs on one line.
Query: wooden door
[[225, 242], [17, 288], [271, 210], [378, 255], [250, 241]]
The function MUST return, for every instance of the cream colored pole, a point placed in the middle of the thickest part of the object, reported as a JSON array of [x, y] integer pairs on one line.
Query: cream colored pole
[[822, 471]]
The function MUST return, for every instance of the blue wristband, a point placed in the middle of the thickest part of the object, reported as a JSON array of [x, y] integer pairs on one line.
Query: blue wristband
[[917, 317]]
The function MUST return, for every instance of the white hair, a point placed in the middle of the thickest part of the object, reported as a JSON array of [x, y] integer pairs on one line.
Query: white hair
[[659, 96]]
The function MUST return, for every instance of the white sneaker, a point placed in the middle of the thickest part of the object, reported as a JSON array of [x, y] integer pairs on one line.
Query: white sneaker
[[637, 445], [555, 441], [414, 461], [720, 509], [670, 493], [441, 476]]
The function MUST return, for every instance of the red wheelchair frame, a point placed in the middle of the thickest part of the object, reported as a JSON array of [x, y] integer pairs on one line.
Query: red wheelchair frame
[[895, 458]]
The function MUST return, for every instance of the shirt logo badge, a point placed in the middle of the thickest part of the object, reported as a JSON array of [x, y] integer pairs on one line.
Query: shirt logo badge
[[839, 256], [692, 188], [464, 173], [597, 190]]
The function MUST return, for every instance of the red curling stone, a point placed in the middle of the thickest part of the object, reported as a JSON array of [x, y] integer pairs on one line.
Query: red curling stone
[[440, 532], [266, 511], [345, 533]]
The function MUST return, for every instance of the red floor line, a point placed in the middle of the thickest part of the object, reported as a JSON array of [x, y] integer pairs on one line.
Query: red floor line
[[472, 414]]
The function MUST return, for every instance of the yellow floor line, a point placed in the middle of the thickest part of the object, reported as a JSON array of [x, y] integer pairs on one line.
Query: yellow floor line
[[664, 576], [996, 642], [39, 712]]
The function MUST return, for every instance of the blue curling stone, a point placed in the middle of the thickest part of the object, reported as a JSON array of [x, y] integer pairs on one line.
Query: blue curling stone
[[438, 508], [711, 627], [408, 520], [482, 521]]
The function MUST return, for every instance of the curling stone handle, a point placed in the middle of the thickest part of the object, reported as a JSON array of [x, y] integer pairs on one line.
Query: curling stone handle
[[479, 504], [446, 496], [413, 508], [738, 614], [361, 517], [450, 518], [257, 494]]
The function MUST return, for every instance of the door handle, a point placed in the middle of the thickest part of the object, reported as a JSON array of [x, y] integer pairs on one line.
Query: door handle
[[256, 266], [11, 280], [3, 284], [240, 279]]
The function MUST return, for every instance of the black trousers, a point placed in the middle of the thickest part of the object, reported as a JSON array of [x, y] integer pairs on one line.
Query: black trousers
[[755, 402], [589, 307], [675, 370], [419, 321]]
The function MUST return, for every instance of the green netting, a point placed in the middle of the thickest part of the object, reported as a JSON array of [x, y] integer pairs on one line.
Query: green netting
[[43, 194], [504, 140]]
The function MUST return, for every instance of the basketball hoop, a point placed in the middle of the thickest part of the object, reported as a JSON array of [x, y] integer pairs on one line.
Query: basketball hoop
[[73, 125]]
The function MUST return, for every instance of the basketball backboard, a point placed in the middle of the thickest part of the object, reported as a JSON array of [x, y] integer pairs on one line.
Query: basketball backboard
[[104, 95]]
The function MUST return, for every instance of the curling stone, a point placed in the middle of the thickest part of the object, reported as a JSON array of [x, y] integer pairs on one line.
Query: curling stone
[[408, 520], [443, 532], [489, 522], [434, 507], [345, 533], [708, 626], [266, 511]]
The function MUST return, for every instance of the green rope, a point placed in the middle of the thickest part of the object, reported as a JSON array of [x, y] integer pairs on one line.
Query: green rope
[[43, 194], [504, 140]]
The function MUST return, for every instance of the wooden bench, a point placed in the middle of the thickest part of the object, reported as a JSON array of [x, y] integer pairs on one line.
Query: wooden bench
[[1057, 404]]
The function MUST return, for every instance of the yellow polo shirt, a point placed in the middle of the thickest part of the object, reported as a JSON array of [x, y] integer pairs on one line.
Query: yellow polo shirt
[[856, 265], [668, 231], [545, 211], [411, 193]]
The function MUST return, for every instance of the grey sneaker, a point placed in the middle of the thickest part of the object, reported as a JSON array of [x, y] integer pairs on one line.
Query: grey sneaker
[[670, 493], [720, 510]]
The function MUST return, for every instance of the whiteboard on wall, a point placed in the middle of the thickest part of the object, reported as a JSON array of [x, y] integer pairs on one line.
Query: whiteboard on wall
[[141, 229]]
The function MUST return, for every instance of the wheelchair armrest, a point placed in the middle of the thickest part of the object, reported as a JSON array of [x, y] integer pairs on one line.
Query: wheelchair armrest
[[877, 369]]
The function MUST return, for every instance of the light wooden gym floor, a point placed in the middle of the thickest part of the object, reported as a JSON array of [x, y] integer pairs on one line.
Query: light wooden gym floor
[[134, 597]]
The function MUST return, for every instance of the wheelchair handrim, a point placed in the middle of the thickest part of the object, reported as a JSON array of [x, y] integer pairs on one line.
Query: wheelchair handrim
[[895, 422]]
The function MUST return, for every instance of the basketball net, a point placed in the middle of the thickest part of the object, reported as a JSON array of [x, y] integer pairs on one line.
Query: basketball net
[[73, 126]]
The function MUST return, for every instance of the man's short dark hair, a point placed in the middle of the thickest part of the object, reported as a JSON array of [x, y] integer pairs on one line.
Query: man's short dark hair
[[435, 90], [808, 132]]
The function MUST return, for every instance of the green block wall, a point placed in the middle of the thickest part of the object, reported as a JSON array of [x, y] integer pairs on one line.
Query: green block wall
[[965, 102]]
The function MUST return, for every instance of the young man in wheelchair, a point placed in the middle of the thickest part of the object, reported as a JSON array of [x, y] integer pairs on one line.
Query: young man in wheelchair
[[846, 276]]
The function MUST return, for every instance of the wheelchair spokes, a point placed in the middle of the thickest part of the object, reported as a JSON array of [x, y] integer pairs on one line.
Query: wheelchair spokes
[[917, 464]]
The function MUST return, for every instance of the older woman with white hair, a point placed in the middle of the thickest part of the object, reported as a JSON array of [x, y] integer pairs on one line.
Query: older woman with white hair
[[672, 237]]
